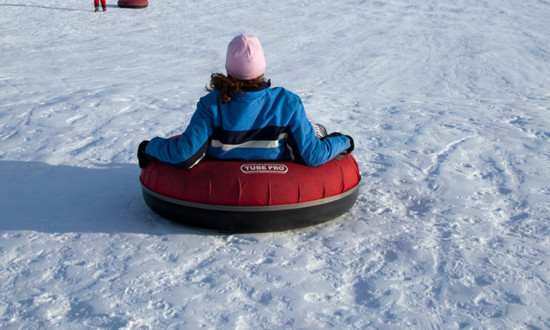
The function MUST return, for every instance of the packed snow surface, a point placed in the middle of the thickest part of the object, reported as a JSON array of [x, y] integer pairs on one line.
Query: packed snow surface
[[449, 105]]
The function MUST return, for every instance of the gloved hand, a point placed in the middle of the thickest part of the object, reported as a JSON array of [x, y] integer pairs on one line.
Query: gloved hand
[[352, 144], [142, 155]]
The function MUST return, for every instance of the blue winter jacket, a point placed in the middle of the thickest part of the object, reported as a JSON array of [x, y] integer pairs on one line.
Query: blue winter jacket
[[270, 124]]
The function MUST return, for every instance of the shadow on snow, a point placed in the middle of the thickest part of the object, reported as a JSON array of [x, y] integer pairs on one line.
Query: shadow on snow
[[59, 199], [53, 8]]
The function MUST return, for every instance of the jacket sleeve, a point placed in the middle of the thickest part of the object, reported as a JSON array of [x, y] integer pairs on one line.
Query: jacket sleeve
[[307, 148], [190, 147]]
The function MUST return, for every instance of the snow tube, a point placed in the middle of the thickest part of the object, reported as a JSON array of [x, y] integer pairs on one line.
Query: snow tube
[[250, 196], [132, 3]]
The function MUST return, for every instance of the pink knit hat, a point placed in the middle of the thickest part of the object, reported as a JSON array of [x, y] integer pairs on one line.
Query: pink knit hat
[[245, 58]]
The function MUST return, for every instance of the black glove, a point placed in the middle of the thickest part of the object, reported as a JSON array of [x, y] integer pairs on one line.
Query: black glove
[[352, 145], [142, 155]]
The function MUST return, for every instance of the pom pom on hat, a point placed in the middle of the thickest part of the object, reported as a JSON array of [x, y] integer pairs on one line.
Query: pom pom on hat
[[245, 58]]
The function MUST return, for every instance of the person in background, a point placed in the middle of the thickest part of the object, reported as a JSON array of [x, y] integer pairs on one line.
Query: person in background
[[103, 4], [243, 117]]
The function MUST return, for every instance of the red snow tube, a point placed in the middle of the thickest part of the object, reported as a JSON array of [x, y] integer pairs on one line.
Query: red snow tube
[[250, 196], [133, 3]]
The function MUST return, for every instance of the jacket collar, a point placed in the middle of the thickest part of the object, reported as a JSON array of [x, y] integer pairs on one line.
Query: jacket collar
[[264, 85]]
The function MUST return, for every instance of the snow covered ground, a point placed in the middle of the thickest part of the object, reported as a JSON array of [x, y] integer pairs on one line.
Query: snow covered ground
[[448, 102]]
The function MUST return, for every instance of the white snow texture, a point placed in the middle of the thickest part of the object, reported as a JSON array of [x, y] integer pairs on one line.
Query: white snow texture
[[448, 102]]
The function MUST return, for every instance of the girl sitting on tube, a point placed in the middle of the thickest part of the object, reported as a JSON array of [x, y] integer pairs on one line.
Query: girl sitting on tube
[[243, 117]]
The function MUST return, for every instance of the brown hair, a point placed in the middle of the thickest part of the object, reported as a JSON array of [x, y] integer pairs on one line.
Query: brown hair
[[228, 86]]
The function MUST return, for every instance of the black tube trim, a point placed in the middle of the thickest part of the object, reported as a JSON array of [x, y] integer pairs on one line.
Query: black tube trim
[[251, 219]]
